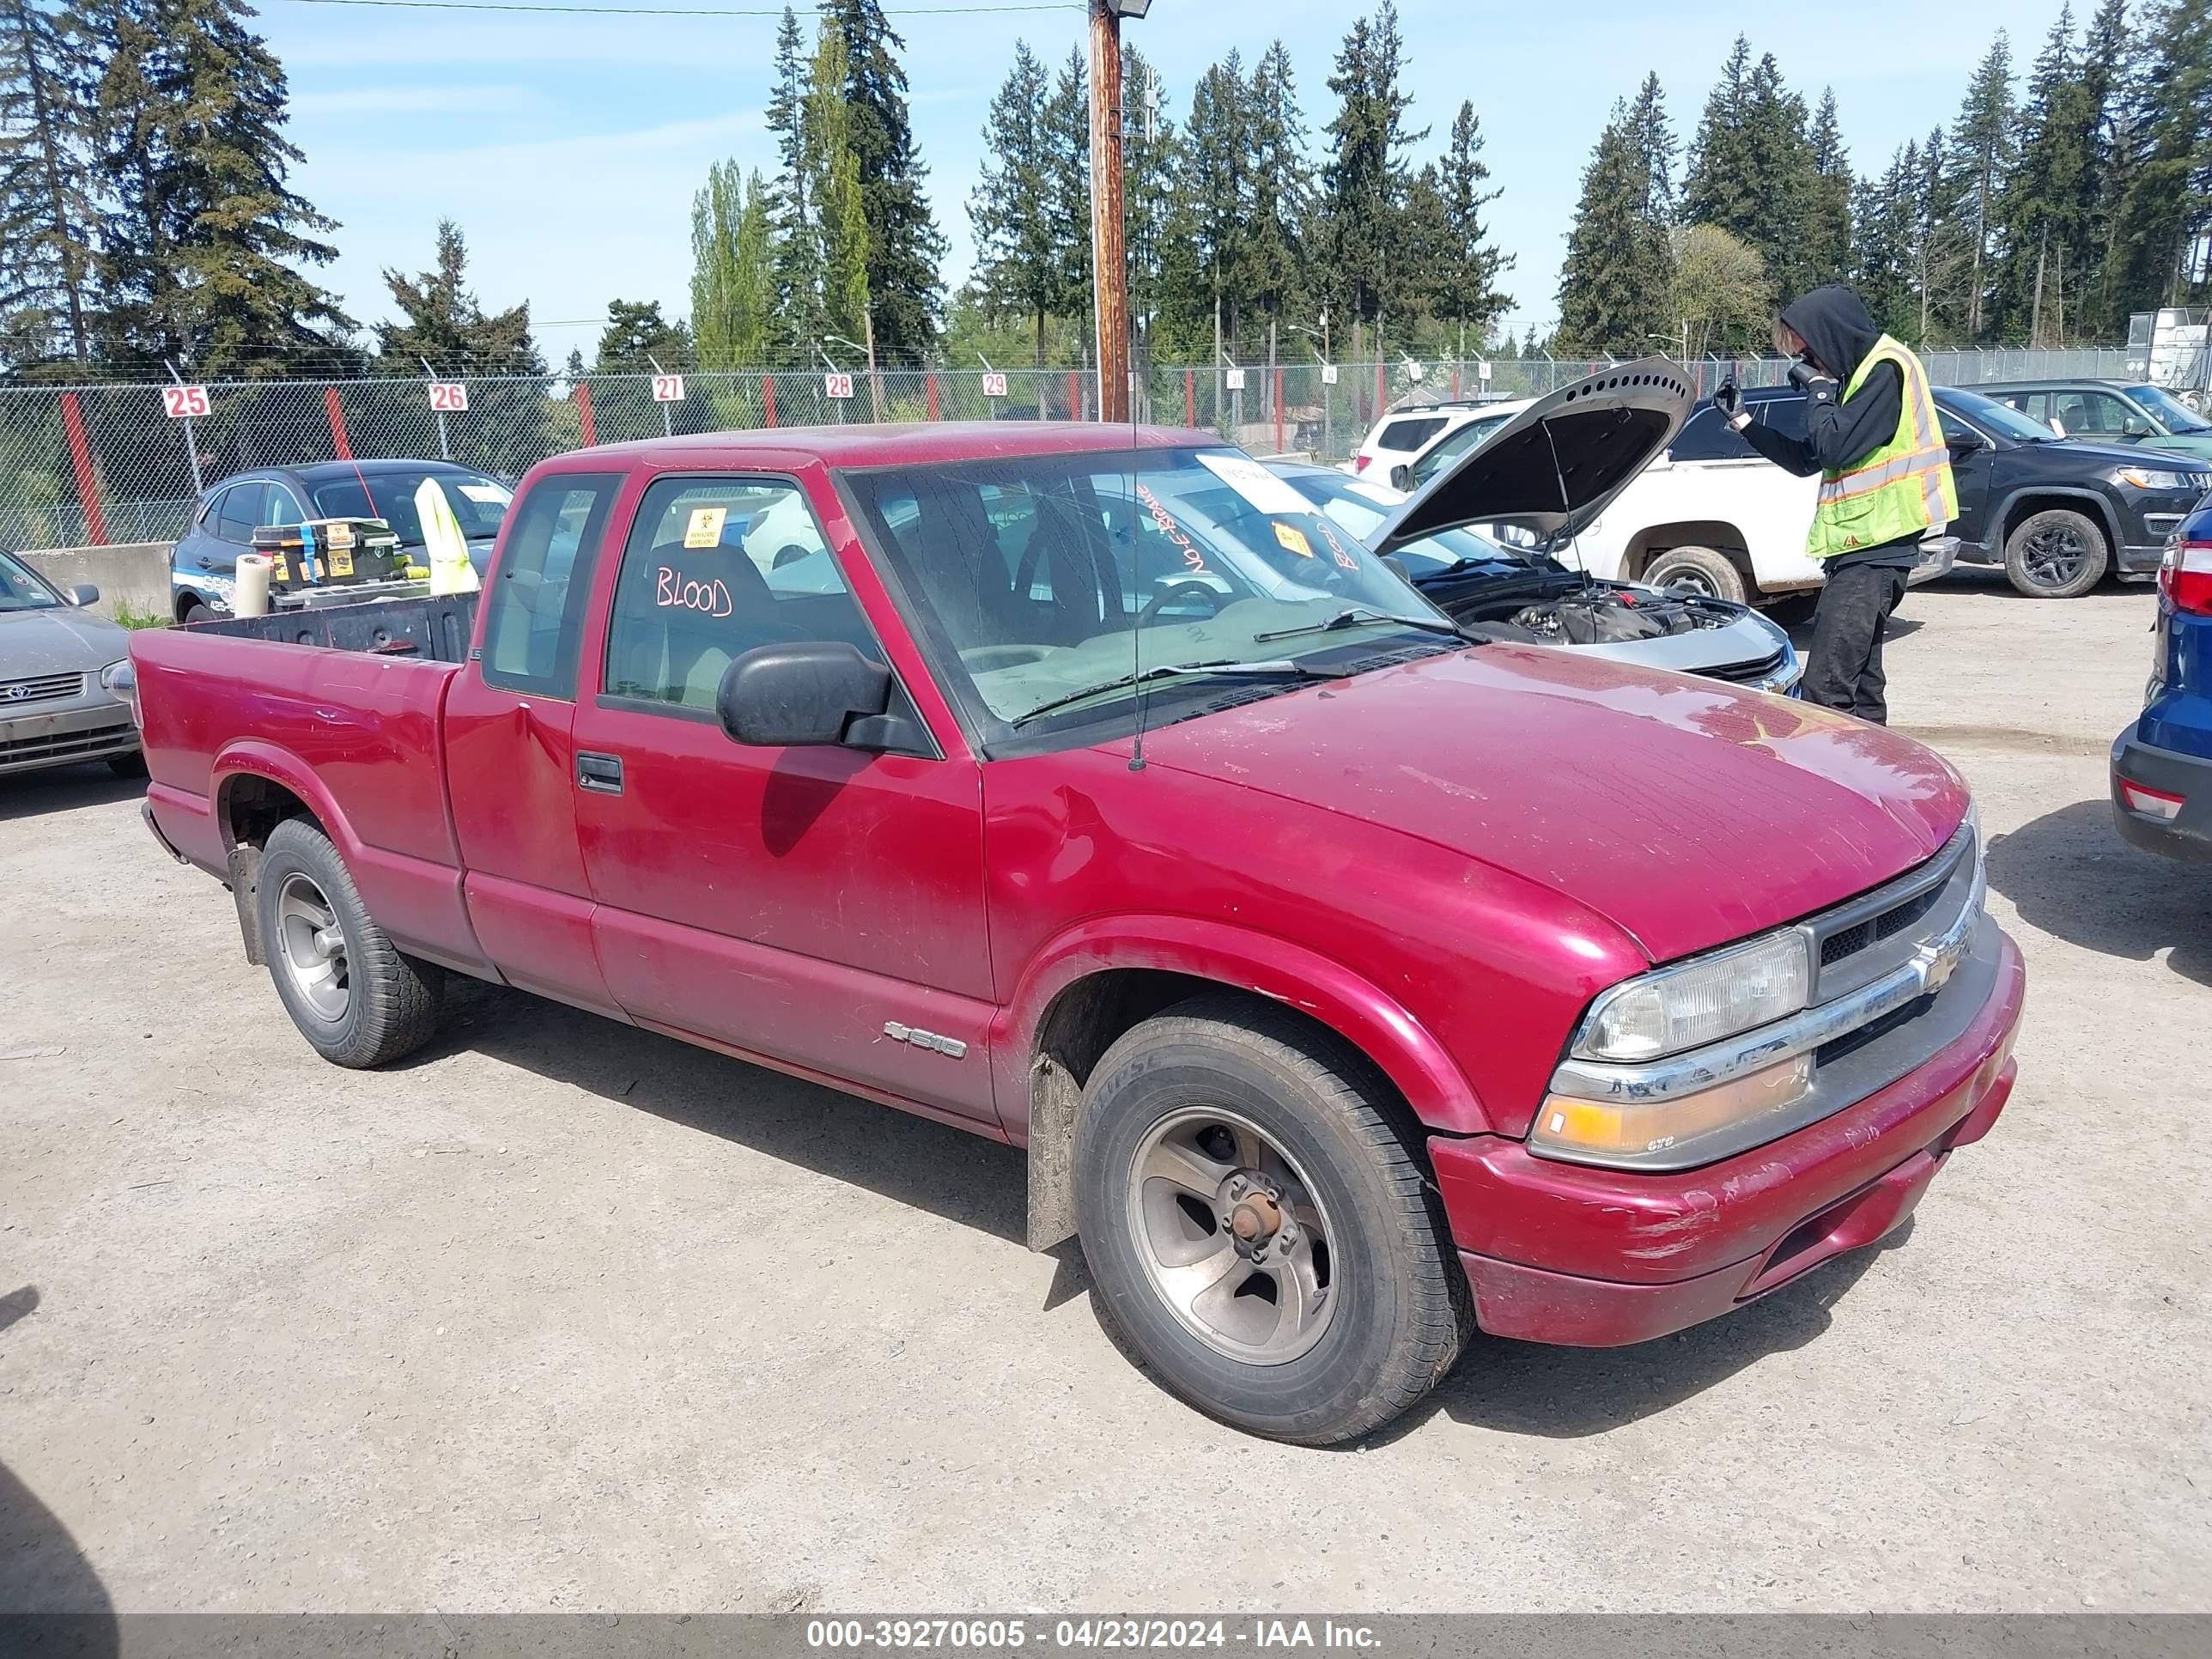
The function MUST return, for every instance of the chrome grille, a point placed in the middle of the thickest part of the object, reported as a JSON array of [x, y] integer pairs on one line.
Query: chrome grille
[[1859, 940], [44, 688]]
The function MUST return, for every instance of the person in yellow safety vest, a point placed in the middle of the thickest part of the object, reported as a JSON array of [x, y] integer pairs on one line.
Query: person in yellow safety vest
[[1871, 434]]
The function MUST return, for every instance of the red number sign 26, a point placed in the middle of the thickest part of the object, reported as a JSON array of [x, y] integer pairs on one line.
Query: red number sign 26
[[449, 397]]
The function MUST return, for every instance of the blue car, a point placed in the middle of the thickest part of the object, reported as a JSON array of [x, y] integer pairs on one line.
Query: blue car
[[204, 563], [2162, 764]]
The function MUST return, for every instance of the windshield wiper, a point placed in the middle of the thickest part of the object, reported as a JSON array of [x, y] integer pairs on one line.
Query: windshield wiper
[[1283, 667], [1361, 616]]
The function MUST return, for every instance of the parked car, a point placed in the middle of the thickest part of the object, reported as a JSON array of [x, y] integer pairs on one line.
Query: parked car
[[1713, 516], [2161, 769], [1456, 442], [56, 707], [1405, 435], [2129, 412], [204, 562], [1527, 595], [1349, 984]]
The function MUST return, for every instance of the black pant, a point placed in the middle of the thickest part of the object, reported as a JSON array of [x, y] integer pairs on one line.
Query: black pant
[[1843, 669]]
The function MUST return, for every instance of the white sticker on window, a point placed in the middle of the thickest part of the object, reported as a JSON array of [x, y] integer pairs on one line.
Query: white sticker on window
[[705, 529], [1262, 488], [489, 495]]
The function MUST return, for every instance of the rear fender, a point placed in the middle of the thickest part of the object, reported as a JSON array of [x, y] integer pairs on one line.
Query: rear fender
[[419, 903]]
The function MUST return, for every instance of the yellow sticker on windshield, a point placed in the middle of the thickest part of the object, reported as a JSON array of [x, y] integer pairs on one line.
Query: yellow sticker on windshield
[[1295, 539], [705, 529]]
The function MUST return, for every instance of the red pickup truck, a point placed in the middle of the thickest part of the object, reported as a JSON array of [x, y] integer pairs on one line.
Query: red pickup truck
[[1352, 982]]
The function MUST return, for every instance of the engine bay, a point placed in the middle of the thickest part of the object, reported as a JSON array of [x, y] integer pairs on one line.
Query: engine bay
[[1598, 614]]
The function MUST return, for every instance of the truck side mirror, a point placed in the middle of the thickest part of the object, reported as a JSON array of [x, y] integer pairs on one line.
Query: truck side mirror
[[1965, 443], [1402, 478], [813, 692]]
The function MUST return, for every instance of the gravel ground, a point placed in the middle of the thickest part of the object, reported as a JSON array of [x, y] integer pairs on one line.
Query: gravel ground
[[564, 1316]]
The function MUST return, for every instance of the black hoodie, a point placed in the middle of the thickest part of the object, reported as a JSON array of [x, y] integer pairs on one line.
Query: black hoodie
[[1838, 332]]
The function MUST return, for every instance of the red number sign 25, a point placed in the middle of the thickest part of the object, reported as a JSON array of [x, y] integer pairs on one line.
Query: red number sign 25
[[184, 403]]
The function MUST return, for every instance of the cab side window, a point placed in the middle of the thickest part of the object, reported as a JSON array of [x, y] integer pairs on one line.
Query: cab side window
[[714, 568], [1707, 438], [280, 508], [535, 608]]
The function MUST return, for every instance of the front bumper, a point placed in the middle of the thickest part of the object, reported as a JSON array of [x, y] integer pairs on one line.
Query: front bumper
[[81, 730], [1937, 555], [1589, 1257], [2188, 834]]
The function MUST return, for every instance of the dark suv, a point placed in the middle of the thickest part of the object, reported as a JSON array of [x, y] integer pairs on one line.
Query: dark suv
[[204, 563], [2055, 513]]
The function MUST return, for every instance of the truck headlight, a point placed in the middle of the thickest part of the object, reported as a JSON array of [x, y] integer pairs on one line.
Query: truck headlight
[[1700, 1001]]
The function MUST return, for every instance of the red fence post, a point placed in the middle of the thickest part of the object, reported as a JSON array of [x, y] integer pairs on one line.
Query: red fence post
[[1278, 412], [768, 398], [1190, 397], [590, 434], [340, 445], [932, 386], [87, 481], [1455, 379], [1074, 394], [1382, 388]]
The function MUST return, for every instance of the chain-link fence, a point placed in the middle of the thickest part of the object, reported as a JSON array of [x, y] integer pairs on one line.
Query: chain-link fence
[[95, 464]]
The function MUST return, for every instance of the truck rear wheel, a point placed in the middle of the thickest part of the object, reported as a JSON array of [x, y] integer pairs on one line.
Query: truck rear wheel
[[347, 987], [1258, 1224], [1698, 570]]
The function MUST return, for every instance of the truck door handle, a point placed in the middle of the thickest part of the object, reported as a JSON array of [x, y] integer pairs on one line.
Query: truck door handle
[[600, 773]]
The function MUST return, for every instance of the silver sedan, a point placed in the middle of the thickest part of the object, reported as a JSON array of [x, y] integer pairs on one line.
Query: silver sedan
[[55, 709]]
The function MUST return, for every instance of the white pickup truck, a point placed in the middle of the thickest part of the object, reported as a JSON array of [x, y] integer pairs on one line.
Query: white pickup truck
[[1714, 516]]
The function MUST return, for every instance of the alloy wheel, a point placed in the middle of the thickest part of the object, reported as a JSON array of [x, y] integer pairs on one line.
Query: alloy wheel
[[311, 946]]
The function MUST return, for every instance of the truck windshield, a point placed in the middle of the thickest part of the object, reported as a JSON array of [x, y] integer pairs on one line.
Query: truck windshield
[[2173, 414], [478, 503], [1032, 572], [22, 591]]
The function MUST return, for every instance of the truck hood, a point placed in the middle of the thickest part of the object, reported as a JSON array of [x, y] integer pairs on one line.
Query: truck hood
[[57, 641], [1686, 812], [1554, 466]]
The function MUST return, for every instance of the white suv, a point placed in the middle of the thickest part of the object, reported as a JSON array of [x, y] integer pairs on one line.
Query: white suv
[[1406, 437], [1714, 516]]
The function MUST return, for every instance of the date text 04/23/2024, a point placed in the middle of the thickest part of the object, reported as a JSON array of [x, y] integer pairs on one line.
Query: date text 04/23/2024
[[1125, 1633]]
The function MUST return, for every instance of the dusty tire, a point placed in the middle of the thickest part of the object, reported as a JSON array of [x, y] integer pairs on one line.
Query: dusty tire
[[353, 995], [132, 765], [1700, 570], [1392, 1309], [2057, 554]]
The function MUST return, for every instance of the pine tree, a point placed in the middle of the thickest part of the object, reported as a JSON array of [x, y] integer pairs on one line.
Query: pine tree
[[839, 193], [1016, 247], [1828, 206], [1465, 267], [1066, 204], [2166, 211], [1752, 171], [442, 324], [1882, 244], [1614, 285], [798, 321], [1716, 190], [637, 338], [1367, 175], [1282, 187], [1656, 144], [203, 262], [2047, 199], [1151, 160], [2105, 59], [1942, 257], [906, 294], [1214, 230], [733, 266], [48, 144], [1982, 144]]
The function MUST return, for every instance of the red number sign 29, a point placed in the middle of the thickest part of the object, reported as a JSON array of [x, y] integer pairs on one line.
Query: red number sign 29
[[184, 403], [449, 397], [994, 384]]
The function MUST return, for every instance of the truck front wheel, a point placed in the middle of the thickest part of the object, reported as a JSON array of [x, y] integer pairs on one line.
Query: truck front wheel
[[347, 987], [1257, 1223], [1698, 571]]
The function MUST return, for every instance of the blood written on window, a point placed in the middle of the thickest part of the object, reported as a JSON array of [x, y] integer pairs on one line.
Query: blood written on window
[[714, 568]]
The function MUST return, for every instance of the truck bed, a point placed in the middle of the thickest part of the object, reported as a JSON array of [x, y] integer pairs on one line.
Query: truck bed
[[433, 628]]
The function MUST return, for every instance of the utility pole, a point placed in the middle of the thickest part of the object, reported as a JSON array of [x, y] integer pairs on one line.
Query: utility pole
[[1109, 256]]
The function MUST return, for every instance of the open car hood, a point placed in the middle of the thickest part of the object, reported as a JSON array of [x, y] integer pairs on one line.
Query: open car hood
[[1555, 465]]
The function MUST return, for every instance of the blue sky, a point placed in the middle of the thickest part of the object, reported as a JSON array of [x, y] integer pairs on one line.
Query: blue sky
[[569, 147]]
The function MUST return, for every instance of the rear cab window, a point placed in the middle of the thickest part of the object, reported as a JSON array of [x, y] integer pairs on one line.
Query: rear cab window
[[534, 611], [1707, 437]]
